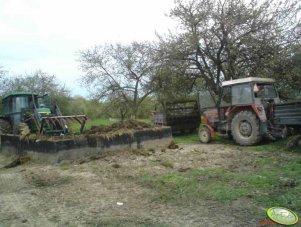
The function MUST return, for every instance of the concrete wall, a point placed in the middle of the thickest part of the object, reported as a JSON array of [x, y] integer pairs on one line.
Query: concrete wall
[[85, 145]]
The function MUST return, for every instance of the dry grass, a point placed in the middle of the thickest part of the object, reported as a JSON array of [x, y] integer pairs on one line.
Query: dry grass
[[167, 163], [46, 178]]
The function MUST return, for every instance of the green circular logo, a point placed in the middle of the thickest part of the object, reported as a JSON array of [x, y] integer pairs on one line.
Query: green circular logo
[[282, 216]]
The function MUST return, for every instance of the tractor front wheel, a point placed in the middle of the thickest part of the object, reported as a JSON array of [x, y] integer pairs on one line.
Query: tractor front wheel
[[245, 128], [204, 135]]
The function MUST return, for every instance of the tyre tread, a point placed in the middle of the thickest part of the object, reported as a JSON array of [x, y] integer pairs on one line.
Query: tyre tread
[[255, 137]]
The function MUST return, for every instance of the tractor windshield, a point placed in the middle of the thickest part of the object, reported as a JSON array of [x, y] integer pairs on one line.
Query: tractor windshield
[[44, 101], [265, 91]]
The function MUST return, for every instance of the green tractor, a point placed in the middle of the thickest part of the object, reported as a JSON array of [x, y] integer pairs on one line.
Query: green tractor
[[26, 111]]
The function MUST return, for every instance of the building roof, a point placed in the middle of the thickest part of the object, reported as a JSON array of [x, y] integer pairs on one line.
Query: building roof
[[248, 79]]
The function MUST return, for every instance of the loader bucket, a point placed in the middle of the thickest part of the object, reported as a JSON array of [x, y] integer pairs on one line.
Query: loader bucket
[[59, 124]]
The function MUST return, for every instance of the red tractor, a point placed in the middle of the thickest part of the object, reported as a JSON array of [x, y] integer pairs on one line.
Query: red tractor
[[248, 109]]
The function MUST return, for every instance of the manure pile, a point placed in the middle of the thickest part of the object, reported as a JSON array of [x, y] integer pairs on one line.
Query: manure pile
[[121, 126]]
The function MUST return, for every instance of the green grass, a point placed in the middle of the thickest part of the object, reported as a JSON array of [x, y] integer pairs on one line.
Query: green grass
[[191, 188], [116, 222], [266, 146], [187, 138], [106, 121], [99, 121], [147, 120], [194, 138], [270, 146], [275, 182], [284, 185], [75, 127], [265, 161]]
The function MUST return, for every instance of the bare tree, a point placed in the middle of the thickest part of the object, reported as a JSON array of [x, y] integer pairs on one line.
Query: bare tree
[[4, 80], [38, 82], [124, 72], [224, 39], [289, 86]]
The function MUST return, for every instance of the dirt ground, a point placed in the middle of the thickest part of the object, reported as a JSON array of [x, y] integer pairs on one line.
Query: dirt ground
[[102, 191]]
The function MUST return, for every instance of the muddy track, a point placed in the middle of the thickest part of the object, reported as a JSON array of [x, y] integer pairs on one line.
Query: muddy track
[[87, 193]]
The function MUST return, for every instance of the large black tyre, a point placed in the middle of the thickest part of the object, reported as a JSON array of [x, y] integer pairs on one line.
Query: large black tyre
[[245, 128], [5, 127]]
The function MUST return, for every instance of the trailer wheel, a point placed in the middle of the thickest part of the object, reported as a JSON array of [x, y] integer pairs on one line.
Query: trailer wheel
[[204, 135], [245, 128]]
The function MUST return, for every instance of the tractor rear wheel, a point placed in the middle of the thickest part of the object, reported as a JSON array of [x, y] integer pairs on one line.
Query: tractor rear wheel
[[204, 135], [245, 128]]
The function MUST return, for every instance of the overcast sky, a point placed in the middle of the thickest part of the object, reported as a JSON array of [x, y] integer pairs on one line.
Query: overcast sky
[[47, 34]]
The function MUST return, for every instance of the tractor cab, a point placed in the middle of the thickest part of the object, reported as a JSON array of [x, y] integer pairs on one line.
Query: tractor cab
[[16, 104], [18, 107], [249, 90], [243, 110]]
